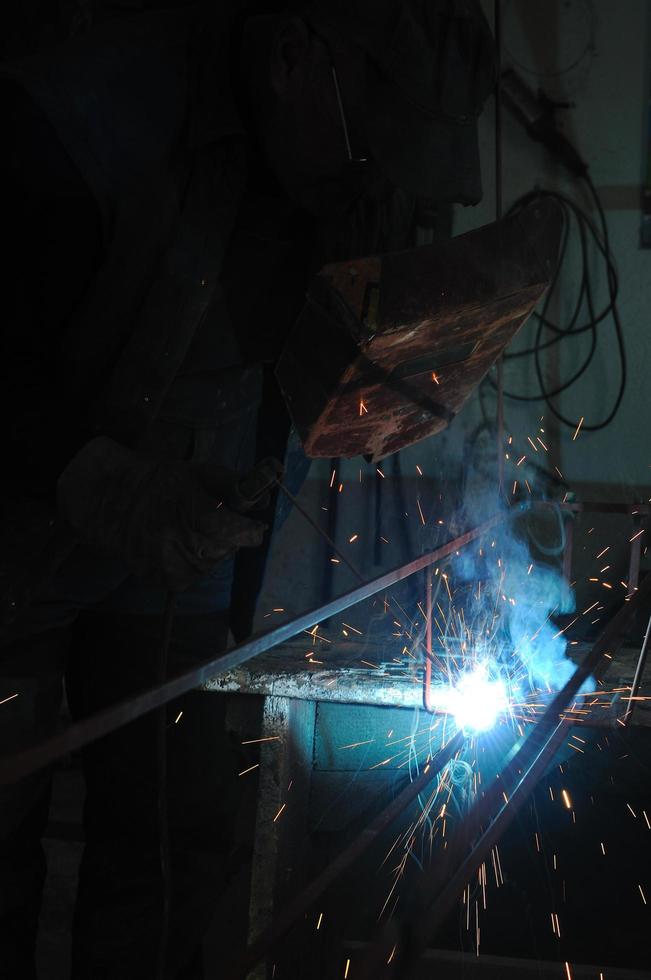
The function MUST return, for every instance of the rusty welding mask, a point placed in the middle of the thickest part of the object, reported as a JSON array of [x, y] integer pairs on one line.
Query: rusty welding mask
[[388, 348]]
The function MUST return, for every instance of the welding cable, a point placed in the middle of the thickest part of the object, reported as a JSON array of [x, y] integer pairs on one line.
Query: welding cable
[[162, 808], [588, 232]]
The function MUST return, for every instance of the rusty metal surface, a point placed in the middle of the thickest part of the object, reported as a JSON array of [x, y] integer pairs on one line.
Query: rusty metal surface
[[389, 348]]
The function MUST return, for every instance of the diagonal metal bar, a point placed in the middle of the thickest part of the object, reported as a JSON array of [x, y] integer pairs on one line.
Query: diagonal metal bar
[[402, 944], [639, 673], [19, 764], [292, 912]]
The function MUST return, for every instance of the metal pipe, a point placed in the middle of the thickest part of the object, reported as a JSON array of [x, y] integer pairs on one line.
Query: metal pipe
[[19, 764], [298, 906]]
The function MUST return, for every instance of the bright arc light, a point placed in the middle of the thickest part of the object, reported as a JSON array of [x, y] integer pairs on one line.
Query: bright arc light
[[475, 700]]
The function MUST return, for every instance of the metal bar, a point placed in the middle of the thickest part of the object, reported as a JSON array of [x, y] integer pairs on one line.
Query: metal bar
[[427, 679], [497, 24], [639, 672], [601, 507], [299, 905], [21, 763], [636, 552], [404, 944]]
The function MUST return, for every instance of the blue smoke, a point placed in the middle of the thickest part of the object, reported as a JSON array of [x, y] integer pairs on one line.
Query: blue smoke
[[518, 597]]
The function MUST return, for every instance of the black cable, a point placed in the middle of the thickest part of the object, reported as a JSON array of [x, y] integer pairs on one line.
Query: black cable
[[588, 234]]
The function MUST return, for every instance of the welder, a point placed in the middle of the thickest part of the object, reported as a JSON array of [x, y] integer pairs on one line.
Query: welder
[[170, 180]]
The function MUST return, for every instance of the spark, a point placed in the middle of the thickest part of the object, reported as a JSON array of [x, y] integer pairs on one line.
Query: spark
[[353, 628], [178, 717], [279, 812], [578, 429], [250, 769], [475, 699], [10, 698]]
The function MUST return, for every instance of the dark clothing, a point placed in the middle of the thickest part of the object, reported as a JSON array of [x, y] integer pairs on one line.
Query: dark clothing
[[150, 150], [136, 312]]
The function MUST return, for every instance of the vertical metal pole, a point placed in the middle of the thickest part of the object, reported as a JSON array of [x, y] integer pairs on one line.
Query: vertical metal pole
[[428, 640], [639, 671], [497, 18], [636, 553]]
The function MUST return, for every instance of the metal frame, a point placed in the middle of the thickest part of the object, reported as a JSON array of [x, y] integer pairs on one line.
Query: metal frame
[[20, 764], [398, 945], [401, 944]]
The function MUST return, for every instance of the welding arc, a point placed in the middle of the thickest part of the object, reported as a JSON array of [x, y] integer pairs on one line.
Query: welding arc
[[292, 912], [483, 827], [16, 765]]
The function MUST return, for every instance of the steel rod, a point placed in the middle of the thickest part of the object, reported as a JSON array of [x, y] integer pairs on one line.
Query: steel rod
[[19, 764], [427, 679], [497, 25], [292, 912], [405, 943], [639, 672]]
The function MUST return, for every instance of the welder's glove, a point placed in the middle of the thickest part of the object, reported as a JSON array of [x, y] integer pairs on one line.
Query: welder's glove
[[169, 521]]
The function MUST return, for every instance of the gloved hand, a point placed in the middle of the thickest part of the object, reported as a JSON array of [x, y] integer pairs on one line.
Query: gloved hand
[[169, 521]]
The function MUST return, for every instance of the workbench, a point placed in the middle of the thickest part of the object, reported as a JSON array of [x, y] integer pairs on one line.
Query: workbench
[[294, 687]]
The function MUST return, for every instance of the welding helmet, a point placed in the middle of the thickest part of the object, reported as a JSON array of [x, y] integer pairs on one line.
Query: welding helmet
[[388, 348], [430, 65]]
